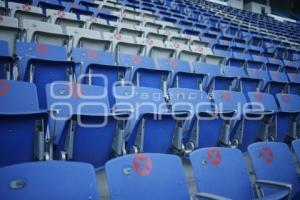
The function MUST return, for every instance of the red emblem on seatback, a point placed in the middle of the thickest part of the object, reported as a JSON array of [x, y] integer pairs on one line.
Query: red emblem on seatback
[[214, 156], [26, 7], [136, 60], [173, 63], [92, 54], [61, 13], [149, 41], [41, 49], [227, 96], [4, 88], [258, 97], [176, 45], [267, 155], [286, 97], [275, 74], [117, 36], [1, 19], [142, 165], [199, 49]]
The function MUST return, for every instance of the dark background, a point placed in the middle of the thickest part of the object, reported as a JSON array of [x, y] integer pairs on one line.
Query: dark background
[[288, 8]]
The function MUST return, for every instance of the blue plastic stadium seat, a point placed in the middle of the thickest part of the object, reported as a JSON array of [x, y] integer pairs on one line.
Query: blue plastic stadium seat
[[222, 50], [278, 82], [84, 128], [226, 40], [273, 67], [144, 71], [49, 180], [183, 75], [5, 61], [98, 68], [105, 14], [151, 126], [23, 124], [273, 161], [259, 122], [212, 166], [76, 8], [296, 149], [236, 62], [291, 66], [196, 130], [243, 82], [209, 38], [146, 176], [275, 61], [215, 79], [294, 84], [255, 64], [45, 4], [287, 119], [239, 53], [259, 58], [226, 112], [240, 43], [259, 74], [41, 64]]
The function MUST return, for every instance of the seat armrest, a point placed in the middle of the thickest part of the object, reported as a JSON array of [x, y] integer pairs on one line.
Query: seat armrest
[[274, 184], [209, 196]]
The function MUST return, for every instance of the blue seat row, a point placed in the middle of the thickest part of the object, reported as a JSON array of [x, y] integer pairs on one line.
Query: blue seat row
[[161, 176], [82, 125]]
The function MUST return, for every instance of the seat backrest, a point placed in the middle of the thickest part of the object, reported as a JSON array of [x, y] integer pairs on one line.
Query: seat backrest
[[156, 48], [141, 100], [89, 57], [11, 93], [296, 148], [9, 31], [266, 100], [277, 76], [194, 101], [69, 99], [89, 39], [97, 24], [4, 50], [124, 44], [64, 19], [205, 68], [229, 101], [28, 51], [294, 77], [288, 102], [273, 161], [24, 11], [5, 61], [147, 176], [49, 180], [136, 61], [42, 32], [174, 65], [275, 61], [211, 166], [258, 74], [230, 71], [19, 117]]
